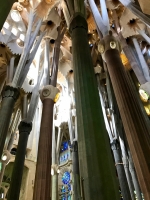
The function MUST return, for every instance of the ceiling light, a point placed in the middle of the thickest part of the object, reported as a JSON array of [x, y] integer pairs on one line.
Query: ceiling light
[[144, 96], [14, 31], [15, 15], [6, 25], [22, 37], [4, 157]]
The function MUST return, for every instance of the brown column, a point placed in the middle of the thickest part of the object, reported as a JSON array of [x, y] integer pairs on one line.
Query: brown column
[[42, 185], [135, 125]]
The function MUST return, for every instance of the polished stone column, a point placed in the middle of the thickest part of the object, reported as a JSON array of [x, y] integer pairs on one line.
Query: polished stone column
[[96, 165], [5, 7], [120, 170], [76, 173], [16, 179], [42, 186], [135, 125], [10, 95]]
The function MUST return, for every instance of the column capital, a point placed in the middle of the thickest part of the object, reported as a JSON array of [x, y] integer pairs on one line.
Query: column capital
[[78, 21], [49, 92], [107, 43], [10, 91], [25, 126]]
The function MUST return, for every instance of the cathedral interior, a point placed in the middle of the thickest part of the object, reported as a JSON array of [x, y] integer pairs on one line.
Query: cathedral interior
[[75, 100]]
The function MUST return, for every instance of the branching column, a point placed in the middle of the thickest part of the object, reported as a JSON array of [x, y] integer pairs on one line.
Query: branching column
[[15, 185], [10, 95], [42, 187], [135, 125], [96, 165]]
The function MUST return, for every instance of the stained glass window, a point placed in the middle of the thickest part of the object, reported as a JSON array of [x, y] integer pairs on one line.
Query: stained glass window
[[66, 187], [66, 178]]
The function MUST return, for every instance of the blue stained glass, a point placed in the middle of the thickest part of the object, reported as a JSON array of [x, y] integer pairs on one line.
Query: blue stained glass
[[63, 198], [63, 189], [69, 197], [66, 178], [69, 187]]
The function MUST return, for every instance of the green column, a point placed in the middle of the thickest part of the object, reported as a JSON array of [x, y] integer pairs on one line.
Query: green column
[[96, 165], [5, 6]]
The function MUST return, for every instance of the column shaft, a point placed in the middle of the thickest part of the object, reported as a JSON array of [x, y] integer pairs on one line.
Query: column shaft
[[95, 159], [120, 170], [43, 169], [76, 175], [136, 128], [10, 95], [16, 179]]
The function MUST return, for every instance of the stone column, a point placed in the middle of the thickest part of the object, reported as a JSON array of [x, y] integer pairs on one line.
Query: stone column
[[54, 168], [42, 186], [134, 178], [135, 125], [120, 170], [10, 95], [76, 173], [96, 165], [16, 179], [4, 10]]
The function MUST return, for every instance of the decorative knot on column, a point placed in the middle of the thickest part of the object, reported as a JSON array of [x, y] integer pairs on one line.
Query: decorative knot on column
[[107, 43], [50, 92], [78, 21], [115, 145], [10, 91], [25, 126], [54, 169]]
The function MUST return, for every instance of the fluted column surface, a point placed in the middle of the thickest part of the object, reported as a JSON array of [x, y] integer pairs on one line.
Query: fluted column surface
[[43, 169], [95, 159], [135, 125]]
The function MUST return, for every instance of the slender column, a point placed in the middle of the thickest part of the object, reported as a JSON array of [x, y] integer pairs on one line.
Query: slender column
[[120, 170], [76, 174], [55, 186], [94, 149], [141, 59], [42, 185], [134, 179], [136, 68], [128, 176], [135, 125], [15, 185], [4, 10], [54, 167], [10, 96]]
